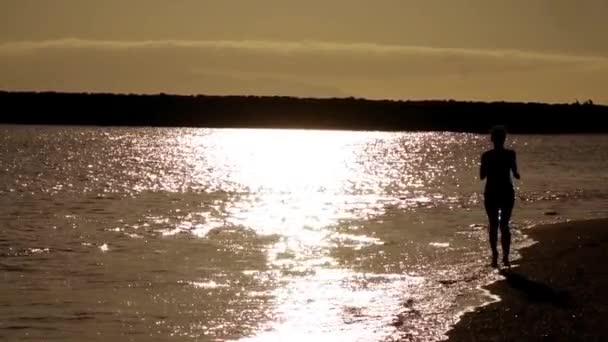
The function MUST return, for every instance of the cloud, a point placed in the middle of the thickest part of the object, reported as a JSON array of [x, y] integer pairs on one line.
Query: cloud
[[306, 68]]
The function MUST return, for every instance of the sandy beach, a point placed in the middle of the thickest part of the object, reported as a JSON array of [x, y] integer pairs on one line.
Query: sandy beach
[[555, 292]]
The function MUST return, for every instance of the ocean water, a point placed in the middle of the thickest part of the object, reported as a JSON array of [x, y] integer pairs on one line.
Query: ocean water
[[182, 234]]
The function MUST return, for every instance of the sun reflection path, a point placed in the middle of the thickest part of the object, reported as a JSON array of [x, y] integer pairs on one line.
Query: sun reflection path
[[300, 185], [284, 161], [296, 182], [289, 179], [337, 305]]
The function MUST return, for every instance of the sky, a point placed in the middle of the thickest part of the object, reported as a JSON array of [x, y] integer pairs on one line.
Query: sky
[[513, 50]]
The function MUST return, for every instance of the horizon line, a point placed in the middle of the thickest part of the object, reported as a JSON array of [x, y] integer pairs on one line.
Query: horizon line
[[588, 101]]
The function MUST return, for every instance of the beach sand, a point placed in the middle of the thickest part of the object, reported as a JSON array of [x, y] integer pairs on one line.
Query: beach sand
[[557, 291]]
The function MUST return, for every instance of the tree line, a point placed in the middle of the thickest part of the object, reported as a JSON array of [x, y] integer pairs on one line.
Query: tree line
[[100, 109]]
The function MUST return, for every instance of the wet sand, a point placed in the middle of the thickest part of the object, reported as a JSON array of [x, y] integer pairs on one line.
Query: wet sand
[[555, 292]]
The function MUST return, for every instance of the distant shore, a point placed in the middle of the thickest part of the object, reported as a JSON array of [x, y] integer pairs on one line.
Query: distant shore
[[50, 108], [558, 291]]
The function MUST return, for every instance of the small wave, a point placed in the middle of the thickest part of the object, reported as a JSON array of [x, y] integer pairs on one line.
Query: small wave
[[204, 284]]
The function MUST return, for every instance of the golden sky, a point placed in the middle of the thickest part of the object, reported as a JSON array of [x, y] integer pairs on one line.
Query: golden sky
[[534, 50]]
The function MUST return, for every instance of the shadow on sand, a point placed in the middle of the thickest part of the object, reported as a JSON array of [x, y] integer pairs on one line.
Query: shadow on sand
[[535, 291]]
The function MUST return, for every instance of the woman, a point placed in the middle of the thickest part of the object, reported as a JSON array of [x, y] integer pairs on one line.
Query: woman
[[499, 197]]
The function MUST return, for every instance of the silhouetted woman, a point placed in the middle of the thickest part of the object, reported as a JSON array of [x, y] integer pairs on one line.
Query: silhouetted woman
[[499, 197]]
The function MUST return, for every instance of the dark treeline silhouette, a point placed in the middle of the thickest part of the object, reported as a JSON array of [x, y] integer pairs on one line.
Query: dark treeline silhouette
[[289, 112]]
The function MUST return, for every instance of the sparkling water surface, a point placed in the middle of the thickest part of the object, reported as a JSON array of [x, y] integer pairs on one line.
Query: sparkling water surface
[[150, 234]]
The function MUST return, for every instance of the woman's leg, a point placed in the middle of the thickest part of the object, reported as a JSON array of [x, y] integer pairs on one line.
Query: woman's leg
[[492, 212], [505, 232]]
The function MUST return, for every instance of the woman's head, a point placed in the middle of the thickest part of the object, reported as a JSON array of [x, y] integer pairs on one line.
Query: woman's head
[[498, 134]]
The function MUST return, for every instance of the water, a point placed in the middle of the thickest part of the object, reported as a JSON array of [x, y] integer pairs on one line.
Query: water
[[150, 234]]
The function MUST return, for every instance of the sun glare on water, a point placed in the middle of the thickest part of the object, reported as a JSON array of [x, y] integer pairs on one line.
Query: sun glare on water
[[295, 184], [303, 188]]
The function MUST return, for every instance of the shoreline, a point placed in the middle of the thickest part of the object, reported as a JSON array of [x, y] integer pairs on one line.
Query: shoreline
[[555, 292]]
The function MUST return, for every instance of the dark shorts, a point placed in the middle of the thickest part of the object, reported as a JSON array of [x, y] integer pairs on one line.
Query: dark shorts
[[499, 199]]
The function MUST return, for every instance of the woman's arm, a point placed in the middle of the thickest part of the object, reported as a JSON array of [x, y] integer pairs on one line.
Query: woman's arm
[[514, 167], [483, 172]]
